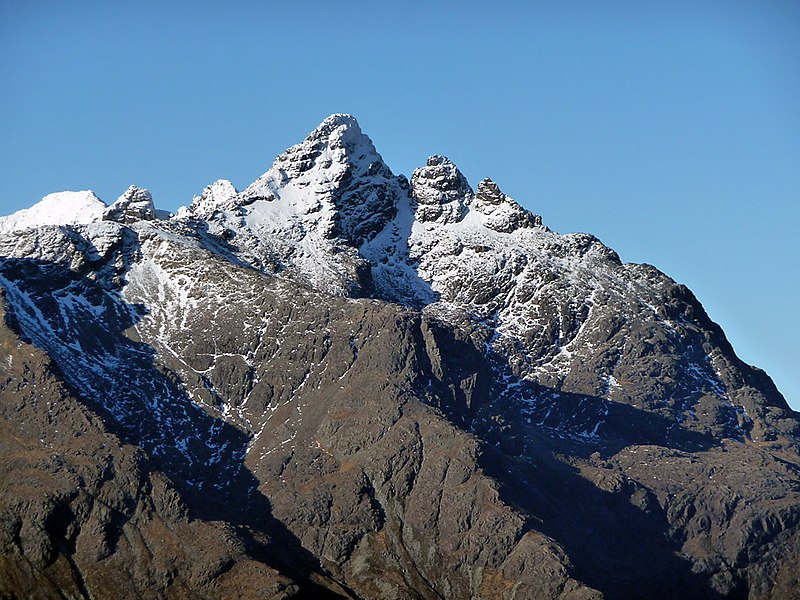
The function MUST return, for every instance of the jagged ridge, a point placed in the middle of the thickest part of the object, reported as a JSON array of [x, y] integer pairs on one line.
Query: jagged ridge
[[542, 354]]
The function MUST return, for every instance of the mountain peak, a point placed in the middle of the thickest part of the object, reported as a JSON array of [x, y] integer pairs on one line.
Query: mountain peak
[[335, 177], [439, 160], [490, 191], [136, 204], [339, 121], [327, 155], [214, 197], [59, 208], [440, 191], [501, 213], [319, 201], [340, 132]]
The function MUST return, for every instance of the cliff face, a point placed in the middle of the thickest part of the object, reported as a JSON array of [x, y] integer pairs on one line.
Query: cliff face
[[341, 382]]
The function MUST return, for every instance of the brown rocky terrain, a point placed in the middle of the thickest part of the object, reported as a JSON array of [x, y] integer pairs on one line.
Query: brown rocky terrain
[[85, 515]]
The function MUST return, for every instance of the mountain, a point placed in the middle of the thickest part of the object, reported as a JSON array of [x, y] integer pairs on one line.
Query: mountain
[[339, 382], [64, 208]]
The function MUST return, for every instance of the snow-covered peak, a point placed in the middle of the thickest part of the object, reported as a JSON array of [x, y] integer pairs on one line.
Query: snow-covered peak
[[306, 216], [334, 181], [335, 147], [440, 191], [220, 195], [136, 204], [499, 211], [60, 208], [341, 130]]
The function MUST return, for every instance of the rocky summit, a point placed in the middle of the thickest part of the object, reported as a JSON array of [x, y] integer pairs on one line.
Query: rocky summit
[[343, 383]]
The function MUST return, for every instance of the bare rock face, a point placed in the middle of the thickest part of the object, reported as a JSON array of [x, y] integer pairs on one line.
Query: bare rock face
[[337, 384]]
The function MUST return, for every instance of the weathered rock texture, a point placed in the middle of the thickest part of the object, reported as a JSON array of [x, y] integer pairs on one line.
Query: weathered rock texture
[[85, 515], [339, 382]]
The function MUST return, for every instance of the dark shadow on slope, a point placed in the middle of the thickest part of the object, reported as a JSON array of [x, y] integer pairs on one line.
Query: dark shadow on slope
[[85, 326], [220, 244], [409, 289], [475, 387], [619, 542], [609, 425]]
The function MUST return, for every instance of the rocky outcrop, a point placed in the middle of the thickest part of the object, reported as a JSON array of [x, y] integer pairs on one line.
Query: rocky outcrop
[[215, 197], [136, 204], [440, 192], [501, 212]]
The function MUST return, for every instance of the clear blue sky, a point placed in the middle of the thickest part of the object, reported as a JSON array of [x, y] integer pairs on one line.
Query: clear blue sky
[[670, 132]]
